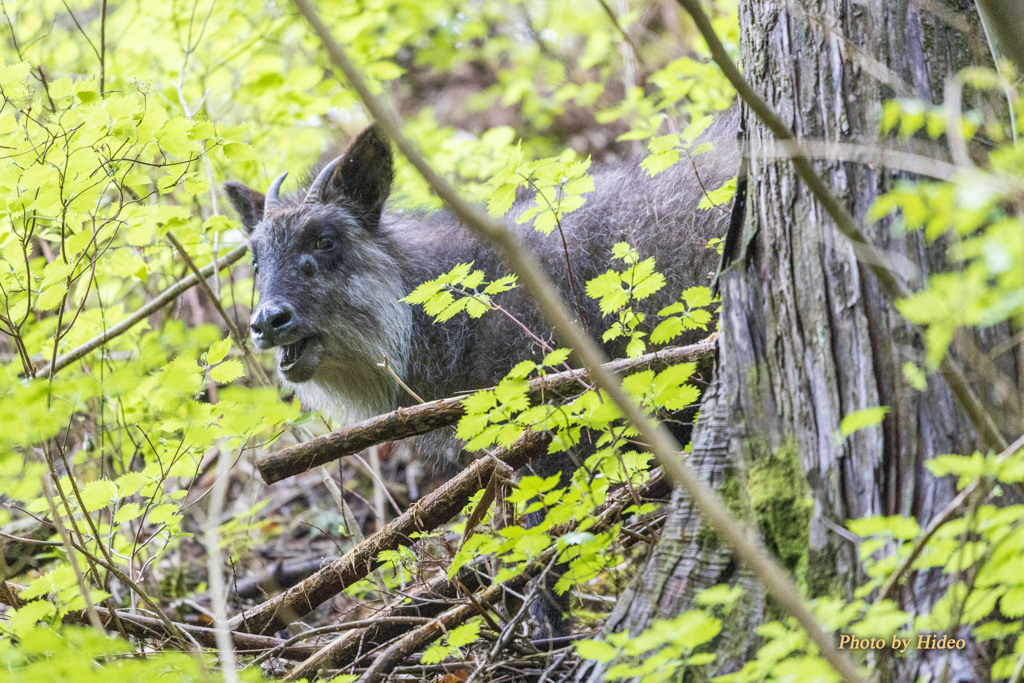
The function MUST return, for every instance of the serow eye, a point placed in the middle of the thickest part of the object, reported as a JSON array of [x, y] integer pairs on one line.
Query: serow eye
[[255, 266], [324, 243]]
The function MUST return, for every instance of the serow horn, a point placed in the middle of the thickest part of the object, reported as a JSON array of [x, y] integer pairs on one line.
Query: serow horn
[[315, 193], [273, 200]]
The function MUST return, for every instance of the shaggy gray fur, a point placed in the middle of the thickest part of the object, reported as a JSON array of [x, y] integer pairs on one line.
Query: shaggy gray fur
[[332, 270]]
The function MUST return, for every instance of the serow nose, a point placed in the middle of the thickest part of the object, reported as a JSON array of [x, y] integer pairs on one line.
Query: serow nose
[[270, 323]]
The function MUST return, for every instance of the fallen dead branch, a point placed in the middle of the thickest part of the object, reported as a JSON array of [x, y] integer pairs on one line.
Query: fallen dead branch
[[426, 417], [140, 626], [429, 632], [345, 650], [428, 513], [419, 638], [430, 601]]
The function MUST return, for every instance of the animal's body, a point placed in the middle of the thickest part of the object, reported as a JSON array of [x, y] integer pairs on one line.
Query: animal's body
[[333, 266]]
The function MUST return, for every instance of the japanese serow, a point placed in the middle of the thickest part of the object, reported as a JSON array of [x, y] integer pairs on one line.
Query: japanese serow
[[332, 266]]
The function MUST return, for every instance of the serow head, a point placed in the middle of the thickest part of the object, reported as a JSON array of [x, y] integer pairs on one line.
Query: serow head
[[319, 260]]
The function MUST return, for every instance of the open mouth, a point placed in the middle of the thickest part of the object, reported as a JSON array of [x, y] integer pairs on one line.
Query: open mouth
[[297, 362], [291, 353]]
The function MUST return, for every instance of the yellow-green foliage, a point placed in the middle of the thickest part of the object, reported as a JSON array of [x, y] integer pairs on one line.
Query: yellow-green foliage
[[117, 129], [112, 147]]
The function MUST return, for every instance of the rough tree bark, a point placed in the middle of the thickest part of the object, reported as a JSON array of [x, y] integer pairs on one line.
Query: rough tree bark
[[806, 335]]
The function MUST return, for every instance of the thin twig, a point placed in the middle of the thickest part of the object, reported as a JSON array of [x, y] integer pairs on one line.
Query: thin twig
[[1002, 17], [69, 553], [387, 623], [103, 46], [141, 626], [565, 245], [334, 628], [401, 648], [645, 70], [215, 569], [241, 341], [149, 308]]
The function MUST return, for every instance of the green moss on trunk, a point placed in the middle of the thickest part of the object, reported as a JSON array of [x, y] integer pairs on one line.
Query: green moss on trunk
[[781, 503]]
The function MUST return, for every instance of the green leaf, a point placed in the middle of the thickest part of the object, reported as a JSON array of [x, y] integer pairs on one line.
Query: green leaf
[[638, 383], [663, 143], [98, 494], [696, 128], [500, 285], [218, 351], [480, 402], [721, 594], [174, 138], [903, 528], [54, 581], [965, 466], [127, 513], [130, 482], [890, 115], [697, 297], [228, 371], [56, 271], [915, 376], [162, 514], [1012, 603], [695, 628], [19, 621], [635, 348], [239, 151], [436, 654], [667, 330], [51, 297], [501, 200], [862, 419], [423, 293], [13, 77], [465, 634], [657, 163], [556, 357], [720, 196], [597, 650]]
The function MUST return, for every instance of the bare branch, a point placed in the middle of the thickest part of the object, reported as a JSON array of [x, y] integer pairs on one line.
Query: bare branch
[[344, 650], [387, 624], [415, 640], [149, 627], [241, 340], [426, 417]]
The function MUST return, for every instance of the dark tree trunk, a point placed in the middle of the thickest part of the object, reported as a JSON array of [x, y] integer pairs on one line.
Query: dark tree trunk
[[806, 335]]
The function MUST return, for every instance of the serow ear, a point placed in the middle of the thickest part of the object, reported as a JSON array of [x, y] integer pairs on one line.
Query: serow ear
[[247, 202], [363, 175]]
